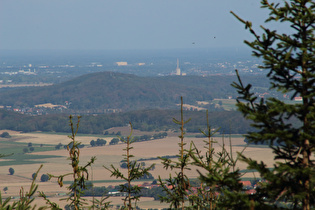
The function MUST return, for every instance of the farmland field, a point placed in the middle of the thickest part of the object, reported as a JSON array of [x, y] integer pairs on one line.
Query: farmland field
[[56, 162]]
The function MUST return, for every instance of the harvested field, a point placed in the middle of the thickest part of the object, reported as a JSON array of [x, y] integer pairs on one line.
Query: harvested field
[[107, 155]]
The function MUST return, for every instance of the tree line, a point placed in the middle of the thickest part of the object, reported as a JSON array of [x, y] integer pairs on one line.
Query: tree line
[[144, 120]]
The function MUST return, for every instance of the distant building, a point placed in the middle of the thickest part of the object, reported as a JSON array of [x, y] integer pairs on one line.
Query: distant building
[[122, 63], [141, 64], [177, 68], [298, 98]]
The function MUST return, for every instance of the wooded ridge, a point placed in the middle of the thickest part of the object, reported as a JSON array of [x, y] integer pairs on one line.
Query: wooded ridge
[[108, 90]]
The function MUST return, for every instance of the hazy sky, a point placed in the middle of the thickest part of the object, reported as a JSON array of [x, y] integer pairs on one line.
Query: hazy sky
[[125, 24]]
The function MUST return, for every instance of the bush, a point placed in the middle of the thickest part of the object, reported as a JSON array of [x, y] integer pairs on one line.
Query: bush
[[33, 176], [100, 142], [58, 146], [11, 171], [5, 135], [123, 165], [114, 141], [44, 178], [92, 143]]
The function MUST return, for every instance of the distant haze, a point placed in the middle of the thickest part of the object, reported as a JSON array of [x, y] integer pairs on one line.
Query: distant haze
[[125, 24]]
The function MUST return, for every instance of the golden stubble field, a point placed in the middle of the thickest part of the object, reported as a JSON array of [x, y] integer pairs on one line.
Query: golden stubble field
[[105, 156]]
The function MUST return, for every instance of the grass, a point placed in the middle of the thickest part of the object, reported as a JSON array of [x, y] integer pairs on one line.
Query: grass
[[18, 157]]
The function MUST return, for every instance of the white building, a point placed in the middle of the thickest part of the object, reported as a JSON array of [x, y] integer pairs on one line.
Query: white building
[[177, 68]]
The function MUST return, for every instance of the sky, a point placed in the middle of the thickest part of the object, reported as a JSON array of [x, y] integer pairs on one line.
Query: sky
[[125, 24]]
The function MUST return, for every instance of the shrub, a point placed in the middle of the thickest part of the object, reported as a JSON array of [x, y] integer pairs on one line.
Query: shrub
[[114, 141], [44, 178], [11, 171], [34, 176], [123, 165], [92, 143], [5, 135], [25, 150], [58, 146]]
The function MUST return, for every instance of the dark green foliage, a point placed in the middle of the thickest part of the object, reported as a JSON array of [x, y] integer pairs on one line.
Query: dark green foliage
[[31, 149], [58, 146], [220, 185], [155, 192], [114, 141], [80, 173], [69, 207], [5, 135], [44, 178], [92, 143], [96, 191], [123, 91], [11, 171], [30, 144], [134, 171], [150, 137], [98, 142], [124, 165], [34, 176], [147, 176], [25, 150], [290, 62], [177, 188], [145, 120]]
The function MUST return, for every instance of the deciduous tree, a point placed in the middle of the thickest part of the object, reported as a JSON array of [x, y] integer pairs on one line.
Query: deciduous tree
[[11, 171]]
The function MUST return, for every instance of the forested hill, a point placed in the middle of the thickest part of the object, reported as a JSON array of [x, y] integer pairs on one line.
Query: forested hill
[[107, 90]]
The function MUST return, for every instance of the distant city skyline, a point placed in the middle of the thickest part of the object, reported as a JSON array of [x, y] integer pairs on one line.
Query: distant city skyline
[[122, 24]]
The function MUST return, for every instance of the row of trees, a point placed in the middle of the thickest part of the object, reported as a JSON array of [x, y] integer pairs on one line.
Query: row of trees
[[98, 142], [103, 142]]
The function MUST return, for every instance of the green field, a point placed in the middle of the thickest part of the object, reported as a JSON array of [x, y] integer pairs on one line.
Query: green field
[[16, 156]]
